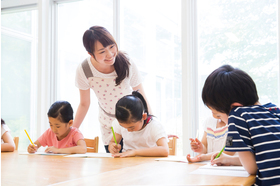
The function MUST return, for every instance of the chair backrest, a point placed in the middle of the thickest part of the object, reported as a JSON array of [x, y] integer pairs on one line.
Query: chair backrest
[[16, 139], [172, 145], [92, 144]]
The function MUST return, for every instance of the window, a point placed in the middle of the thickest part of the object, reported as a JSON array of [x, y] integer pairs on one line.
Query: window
[[18, 73], [244, 35], [71, 53], [152, 41]]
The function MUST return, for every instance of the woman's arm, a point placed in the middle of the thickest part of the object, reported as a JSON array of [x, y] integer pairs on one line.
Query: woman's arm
[[8, 145], [83, 108], [141, 90], [81, 148], [161, 150]]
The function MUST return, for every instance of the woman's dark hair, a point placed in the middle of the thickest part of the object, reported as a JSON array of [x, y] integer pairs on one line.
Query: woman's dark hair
[[227, 85], [130, 108], [101, 34], [2, 121], [62, 111]]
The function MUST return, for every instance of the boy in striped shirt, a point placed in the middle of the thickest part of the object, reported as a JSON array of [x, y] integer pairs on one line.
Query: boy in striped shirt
[[254, 129]]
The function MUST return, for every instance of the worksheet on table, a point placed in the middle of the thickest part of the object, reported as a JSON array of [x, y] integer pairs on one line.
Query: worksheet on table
[[236, 171], [91, 155]]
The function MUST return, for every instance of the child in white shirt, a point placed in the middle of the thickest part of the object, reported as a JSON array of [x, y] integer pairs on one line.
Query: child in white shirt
[[142, 134]]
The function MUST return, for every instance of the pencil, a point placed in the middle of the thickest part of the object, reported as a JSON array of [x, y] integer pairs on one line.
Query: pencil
[[220, 153], [29, 138], [197, 133], [114, 136]]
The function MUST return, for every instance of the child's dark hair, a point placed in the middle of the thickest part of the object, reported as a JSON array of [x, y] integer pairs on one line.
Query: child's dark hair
[[130, 108], [227, 85], [2, 121], [101, 34], [62, 111]]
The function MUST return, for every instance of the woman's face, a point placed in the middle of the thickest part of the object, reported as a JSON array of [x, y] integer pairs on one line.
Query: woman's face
[[105, 55]]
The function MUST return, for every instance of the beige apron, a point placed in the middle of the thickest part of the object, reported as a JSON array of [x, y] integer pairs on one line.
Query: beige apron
[[107, 94]]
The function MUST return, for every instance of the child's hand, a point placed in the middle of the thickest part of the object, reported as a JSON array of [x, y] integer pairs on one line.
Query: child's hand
[[113, 148], [31, 148], [223, 160], [196, 145], [198, 158], [52, 150], [130, 153]]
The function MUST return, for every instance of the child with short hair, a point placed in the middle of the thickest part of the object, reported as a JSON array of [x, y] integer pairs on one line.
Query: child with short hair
[[254, 129], [7, 142], [213, 140], [143, 134], [60, 137]]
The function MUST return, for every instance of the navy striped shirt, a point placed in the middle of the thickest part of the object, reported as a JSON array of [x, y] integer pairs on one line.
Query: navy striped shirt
[[257, 129]]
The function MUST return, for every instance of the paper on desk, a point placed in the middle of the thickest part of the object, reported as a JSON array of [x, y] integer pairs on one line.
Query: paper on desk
[[236, 171], [182, 159], [41, 153], [91, 155]]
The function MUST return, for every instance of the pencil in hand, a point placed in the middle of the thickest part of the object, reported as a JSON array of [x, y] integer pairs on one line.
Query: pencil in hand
[[220, 153], [29, 138]]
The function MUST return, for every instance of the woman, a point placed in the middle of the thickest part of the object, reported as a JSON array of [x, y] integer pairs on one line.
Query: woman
[[109, 73]]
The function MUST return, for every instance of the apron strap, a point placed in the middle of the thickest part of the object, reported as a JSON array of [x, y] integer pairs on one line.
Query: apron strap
[[86, 69], [108, 114]]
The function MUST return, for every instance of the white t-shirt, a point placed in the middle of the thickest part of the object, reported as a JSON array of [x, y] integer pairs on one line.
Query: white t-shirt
[[216, 137], [4, 128], [145, 138], [82, 83]]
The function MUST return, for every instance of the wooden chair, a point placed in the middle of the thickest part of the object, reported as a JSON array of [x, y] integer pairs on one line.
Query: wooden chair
[[16, 139], [92, 144], [172, 145]]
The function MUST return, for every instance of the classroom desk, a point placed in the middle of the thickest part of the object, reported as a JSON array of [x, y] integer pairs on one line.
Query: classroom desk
[[58, 170]]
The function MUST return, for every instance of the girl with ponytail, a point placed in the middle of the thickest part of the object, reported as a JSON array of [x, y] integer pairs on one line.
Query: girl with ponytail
[[142, 133]]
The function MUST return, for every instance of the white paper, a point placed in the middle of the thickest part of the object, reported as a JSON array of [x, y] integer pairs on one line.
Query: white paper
[[41, 153], [236, 171], [90, 155], [181, 159]]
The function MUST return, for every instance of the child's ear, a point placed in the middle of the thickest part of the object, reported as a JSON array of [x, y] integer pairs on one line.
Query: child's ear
[[70, 123], [144, 116], [235, 104]]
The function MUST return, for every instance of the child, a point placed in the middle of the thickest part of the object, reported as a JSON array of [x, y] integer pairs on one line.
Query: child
[[109, 73], [60, 137], [213, 140], [254, 129], [142, 134], [7, 142]]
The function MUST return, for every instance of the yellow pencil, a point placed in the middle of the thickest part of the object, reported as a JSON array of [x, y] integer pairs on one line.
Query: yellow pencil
[[29, 138]]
